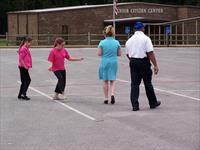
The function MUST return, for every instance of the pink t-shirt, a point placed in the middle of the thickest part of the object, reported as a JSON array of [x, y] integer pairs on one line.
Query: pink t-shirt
[[57, 57], [25, 55]]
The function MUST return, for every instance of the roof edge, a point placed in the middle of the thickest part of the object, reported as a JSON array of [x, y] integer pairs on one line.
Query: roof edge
[[95, 6]]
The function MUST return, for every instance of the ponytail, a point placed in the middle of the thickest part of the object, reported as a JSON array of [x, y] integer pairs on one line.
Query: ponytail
[[22, 42], [25, 39]]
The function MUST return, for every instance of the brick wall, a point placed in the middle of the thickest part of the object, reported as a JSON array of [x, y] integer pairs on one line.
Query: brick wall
[[82, 21], [12, 26]]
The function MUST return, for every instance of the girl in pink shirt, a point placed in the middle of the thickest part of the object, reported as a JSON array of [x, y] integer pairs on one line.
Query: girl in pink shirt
[[25, 63], [57, 58]]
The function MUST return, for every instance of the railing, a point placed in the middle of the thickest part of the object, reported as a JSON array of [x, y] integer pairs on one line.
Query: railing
[[93, 39], [179, 32]]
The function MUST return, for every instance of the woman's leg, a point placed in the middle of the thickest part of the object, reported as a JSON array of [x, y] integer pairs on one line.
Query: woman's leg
[[105, 89], [112, 88]]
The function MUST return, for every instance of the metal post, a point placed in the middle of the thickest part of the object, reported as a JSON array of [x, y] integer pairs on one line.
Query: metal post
[[114, 25], [154, 36], [149, 32], [159, 35], [171, 38], [89, 38], [187, 40], [7, 38], [176, 32], [128, 36], [164, 34], [196, 32], [48, 38], [167, 39], [183, 34]]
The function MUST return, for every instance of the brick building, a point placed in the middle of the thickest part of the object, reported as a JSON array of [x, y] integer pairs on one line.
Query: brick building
[[92, 18]]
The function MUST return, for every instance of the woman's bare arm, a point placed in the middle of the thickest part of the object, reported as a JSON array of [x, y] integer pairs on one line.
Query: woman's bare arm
[[99, 52]]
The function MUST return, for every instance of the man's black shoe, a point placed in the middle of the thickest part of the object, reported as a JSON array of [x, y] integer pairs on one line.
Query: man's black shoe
[[155, 105], [19, 97], [25, 98], [136, 108]]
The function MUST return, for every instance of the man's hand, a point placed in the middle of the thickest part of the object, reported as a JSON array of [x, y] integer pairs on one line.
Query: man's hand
[[155, 68], [152, 58]]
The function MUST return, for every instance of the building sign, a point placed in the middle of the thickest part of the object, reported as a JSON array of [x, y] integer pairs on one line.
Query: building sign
[[167, 29], [127, 30], [142, 11]]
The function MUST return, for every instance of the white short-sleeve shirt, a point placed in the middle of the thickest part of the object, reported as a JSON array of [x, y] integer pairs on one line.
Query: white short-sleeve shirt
[[138, 45]]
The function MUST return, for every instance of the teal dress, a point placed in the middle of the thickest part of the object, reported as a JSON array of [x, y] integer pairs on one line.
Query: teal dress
[[109, 61]]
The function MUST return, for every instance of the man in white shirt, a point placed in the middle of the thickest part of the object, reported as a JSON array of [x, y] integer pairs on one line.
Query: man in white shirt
[[139, 50]]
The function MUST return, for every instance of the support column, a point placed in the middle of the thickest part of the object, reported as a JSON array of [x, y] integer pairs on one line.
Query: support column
[[183, 33], [176, 32], [171, 37], [196, 32], [159, 35]]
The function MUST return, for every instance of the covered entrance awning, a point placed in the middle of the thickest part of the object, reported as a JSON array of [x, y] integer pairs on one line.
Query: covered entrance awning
[[133, 19]]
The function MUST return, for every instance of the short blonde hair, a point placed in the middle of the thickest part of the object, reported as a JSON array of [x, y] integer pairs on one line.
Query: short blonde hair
[[104, 31], [109, 30]]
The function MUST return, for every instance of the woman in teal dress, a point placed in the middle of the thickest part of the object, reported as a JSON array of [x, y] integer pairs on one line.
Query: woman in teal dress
[[109, 49]]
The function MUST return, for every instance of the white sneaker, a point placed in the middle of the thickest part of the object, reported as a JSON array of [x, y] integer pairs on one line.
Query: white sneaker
[[56, 97], [61, 97]]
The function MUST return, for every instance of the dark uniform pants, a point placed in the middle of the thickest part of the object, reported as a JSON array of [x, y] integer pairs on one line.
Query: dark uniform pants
[[25, 81], [141, 69], [61, 76]]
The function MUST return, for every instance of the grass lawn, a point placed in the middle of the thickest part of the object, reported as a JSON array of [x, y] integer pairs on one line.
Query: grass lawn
[[4, 42]]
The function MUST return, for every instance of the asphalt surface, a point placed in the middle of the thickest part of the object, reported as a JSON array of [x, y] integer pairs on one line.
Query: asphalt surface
[[83, 122]]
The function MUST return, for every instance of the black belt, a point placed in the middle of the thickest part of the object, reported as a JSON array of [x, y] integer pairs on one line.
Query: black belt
[[145, 58]]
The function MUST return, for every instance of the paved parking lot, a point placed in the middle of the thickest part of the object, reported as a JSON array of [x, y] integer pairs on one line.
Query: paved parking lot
[[83, 122]]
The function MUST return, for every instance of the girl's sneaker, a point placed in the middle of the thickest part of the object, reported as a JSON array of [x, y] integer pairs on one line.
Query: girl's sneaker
[[61, 97], [56, 97]]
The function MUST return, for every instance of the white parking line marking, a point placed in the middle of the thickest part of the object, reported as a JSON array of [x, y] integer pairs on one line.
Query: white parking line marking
[[63, 104], [166, 91]]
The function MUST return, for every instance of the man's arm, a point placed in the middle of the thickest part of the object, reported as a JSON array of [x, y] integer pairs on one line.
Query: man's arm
[[152, 58], [127, 56]]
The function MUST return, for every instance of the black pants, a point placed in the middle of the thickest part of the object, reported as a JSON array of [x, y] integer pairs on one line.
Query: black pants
[[141, 69], [61, 76], [25, 81]]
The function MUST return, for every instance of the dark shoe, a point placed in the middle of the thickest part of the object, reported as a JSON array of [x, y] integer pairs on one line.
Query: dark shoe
[[25, 98], [106, 102], [155, 105], [19, 97], [112, 99], [136, 108]]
